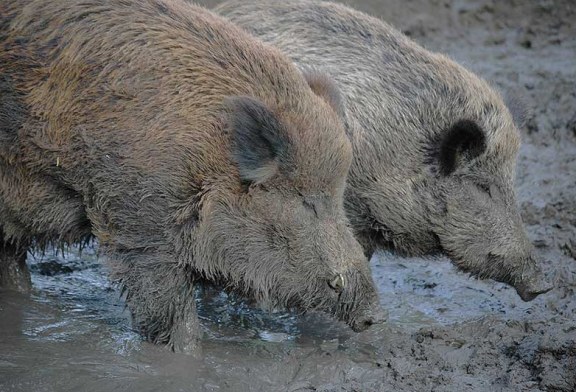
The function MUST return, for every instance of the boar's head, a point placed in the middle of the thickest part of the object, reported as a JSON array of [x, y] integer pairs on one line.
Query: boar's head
[[476, 215], [279, 233], [443, 180]]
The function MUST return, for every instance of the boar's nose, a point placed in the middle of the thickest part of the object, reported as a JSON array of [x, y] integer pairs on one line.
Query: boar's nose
[[532, 283], [532, 287], [369, 318]]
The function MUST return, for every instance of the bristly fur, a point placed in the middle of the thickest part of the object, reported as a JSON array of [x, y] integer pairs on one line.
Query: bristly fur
[[114, 123], [424, 178]]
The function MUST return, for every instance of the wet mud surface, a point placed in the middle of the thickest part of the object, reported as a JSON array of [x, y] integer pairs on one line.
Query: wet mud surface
[[447, 332]]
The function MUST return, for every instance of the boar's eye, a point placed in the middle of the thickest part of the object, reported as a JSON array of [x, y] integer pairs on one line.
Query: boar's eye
[[484, 188], [337, 283], [308, 203], [311, 206]]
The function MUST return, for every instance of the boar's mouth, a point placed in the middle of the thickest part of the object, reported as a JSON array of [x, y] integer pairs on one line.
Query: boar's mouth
[[532, 289], [528, 280], [358, 305], [367, 319], [526, 277]]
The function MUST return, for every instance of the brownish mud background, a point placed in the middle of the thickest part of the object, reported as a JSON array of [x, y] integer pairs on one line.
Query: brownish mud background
[[446, 332]]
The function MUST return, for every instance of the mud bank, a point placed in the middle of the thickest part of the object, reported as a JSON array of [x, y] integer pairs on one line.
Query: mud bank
[[446, 332]]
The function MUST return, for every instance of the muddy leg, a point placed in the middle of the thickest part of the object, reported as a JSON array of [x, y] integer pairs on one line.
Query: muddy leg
[[160, 296], [14, 272]]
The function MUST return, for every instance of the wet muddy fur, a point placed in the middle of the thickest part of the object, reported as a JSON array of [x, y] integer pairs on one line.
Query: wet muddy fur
[[13, 271]]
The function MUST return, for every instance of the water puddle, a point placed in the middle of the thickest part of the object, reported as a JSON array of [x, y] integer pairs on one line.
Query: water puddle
[[74, 332]]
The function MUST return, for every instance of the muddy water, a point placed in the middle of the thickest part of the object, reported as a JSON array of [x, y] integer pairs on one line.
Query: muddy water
[[446, 332], [74, 333]]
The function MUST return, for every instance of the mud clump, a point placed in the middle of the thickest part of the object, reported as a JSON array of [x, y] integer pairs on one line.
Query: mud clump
[[550, 354]]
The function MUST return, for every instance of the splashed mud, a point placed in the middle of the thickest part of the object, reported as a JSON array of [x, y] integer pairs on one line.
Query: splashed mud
[[446, 332]]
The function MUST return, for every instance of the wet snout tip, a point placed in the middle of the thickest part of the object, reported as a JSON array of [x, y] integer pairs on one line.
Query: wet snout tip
[[528, 296], [374, 317], [533, 289]]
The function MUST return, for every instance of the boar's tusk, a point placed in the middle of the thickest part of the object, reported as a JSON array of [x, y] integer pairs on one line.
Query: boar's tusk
[[338, 283]]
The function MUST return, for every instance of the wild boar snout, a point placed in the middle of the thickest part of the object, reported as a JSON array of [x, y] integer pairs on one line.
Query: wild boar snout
[[529, 281], [358, 289], [533, 288], [369, 317], [531, 284]]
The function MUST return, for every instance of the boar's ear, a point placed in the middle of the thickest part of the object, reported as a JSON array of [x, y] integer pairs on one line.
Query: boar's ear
[[325, 88], [518, 106], [258, 138], [463, 142]]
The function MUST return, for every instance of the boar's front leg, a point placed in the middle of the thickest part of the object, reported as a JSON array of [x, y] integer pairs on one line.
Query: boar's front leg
[[160, 295], [14, 273]]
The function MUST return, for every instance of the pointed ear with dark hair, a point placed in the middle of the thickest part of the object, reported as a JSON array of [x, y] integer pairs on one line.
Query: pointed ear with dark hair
[[258, 139], [325, 88], [463, 142]]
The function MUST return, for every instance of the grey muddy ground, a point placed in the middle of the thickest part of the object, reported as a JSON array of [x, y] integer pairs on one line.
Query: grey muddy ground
[[446, 332]]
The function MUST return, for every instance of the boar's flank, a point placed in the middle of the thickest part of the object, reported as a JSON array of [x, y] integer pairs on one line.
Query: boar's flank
[[188, 148]]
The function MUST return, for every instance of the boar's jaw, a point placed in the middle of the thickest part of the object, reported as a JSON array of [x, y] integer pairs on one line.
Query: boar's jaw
[[358, 304]]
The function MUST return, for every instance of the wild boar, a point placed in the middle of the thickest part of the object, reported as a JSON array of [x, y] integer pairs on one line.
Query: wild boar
[[189, 149], [435, 147]]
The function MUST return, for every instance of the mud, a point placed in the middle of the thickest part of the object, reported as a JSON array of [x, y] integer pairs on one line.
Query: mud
[[447, 332]]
